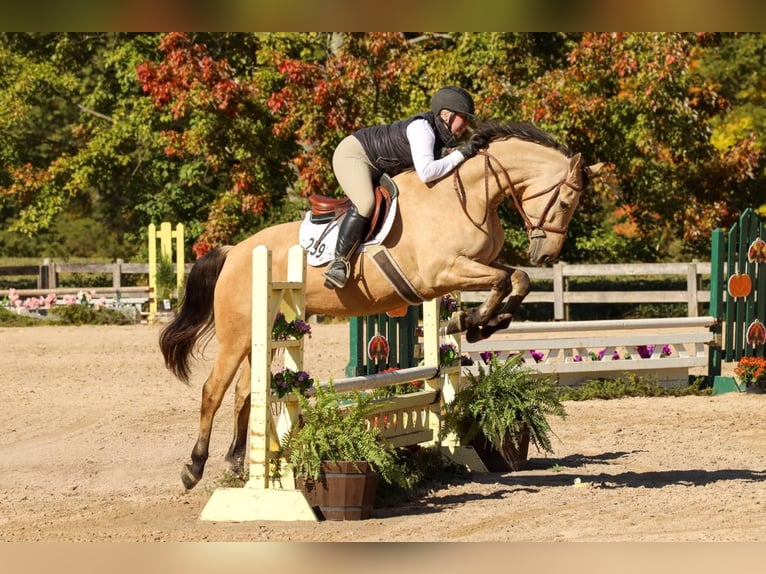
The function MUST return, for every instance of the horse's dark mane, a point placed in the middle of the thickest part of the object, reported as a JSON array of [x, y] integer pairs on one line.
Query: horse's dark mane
[[493, 130]]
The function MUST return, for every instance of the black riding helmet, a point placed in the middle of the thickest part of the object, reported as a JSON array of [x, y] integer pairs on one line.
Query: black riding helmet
[[453, 99]]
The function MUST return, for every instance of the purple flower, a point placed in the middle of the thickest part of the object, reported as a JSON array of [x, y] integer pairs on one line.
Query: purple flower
[[615, 356], [286, 380], [536, 355], [645, 351], [666, 350], [486, 356], [448, 304], [302, 327], [577, 358]]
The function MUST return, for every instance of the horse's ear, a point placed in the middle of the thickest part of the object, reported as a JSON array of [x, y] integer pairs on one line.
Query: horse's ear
[[574, 162], [575, 172], [594, 169]]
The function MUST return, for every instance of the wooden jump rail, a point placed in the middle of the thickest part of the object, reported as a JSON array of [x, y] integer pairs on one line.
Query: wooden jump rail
[[404, 420], [568, 357]]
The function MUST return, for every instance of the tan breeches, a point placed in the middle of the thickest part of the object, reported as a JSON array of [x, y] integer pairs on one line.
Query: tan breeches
[[355, 173]]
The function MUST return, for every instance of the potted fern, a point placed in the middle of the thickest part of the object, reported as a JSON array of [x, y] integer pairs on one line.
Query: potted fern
[[501, 410], [336, 455]]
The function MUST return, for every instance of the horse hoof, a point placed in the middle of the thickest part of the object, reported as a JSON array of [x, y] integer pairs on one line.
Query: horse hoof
[[237, 466], [474, 334], [188, 479]]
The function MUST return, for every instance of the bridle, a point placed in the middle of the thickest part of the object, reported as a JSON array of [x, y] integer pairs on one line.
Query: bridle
[[533, 230]]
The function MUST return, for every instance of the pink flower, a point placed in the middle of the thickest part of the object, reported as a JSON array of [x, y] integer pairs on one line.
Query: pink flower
[[33, 303]]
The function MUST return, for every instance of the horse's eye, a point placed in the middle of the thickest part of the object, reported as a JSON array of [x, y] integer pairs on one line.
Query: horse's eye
[[564, 204]]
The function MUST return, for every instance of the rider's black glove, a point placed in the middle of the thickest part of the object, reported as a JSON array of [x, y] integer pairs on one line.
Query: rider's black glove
[[473, 145]]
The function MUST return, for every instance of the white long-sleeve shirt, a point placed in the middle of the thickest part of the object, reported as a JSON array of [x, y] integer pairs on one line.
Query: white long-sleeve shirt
[[422, 139]]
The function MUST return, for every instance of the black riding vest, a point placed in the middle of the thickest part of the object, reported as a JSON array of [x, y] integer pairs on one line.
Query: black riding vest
[[387, 146]]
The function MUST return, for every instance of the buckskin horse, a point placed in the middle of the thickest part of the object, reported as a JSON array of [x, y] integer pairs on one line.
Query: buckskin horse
[[445, 237]]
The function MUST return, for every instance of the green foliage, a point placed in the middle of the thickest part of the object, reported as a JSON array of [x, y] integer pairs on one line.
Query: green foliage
[[334, 426], [498, 399], [68, 237], [630, 386], [80, 314], [9, 319], [77, 314], [166, 277]]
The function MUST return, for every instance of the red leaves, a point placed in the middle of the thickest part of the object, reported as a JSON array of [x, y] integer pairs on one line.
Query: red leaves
[[189, 78]]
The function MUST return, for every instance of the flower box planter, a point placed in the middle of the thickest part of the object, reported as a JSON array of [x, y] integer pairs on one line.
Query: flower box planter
[[344, 490]]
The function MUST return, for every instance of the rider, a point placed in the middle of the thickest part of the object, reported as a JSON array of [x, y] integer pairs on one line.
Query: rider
[[414, 143]]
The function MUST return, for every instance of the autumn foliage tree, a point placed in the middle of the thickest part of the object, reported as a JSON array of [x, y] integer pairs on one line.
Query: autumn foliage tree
[[228, 132], [638, 102], [349, 81], [214, 121]]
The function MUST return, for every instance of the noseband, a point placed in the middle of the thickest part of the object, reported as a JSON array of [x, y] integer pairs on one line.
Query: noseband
[[533, 230]]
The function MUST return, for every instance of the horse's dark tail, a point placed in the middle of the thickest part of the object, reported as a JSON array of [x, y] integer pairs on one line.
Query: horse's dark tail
[[195, 320]]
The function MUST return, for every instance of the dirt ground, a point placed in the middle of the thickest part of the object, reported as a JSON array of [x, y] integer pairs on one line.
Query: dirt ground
[[95, 431]]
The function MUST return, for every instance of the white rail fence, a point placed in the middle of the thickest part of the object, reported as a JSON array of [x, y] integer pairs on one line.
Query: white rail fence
[[577, 351]]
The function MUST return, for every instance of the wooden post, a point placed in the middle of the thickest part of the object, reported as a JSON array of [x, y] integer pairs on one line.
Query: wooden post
[[166, 236], [180, 263], [117, 274], [559, 311], [152, 238], [692, 296], [47, 276], [717, 257]]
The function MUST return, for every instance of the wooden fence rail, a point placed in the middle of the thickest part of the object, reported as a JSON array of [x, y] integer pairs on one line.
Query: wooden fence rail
[[48, 272], [560, 275], [561, 297]]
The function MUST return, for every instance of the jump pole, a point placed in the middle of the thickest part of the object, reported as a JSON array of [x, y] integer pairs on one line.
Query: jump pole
[[258, 499]]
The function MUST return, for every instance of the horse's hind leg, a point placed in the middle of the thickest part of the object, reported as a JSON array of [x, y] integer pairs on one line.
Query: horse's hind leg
[[236, 455], [215, 386]]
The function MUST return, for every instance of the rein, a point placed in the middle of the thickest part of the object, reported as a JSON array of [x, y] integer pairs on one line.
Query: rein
[[518, 202]]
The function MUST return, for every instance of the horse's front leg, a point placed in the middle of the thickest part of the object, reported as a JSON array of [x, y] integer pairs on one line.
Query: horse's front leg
[[475, 276], [519, 290]]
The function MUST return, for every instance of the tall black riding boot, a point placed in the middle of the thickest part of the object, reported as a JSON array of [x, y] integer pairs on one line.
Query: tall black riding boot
[[350, 234]]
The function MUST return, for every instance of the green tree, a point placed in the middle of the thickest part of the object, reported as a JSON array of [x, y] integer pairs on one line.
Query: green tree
[[735, 70]]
